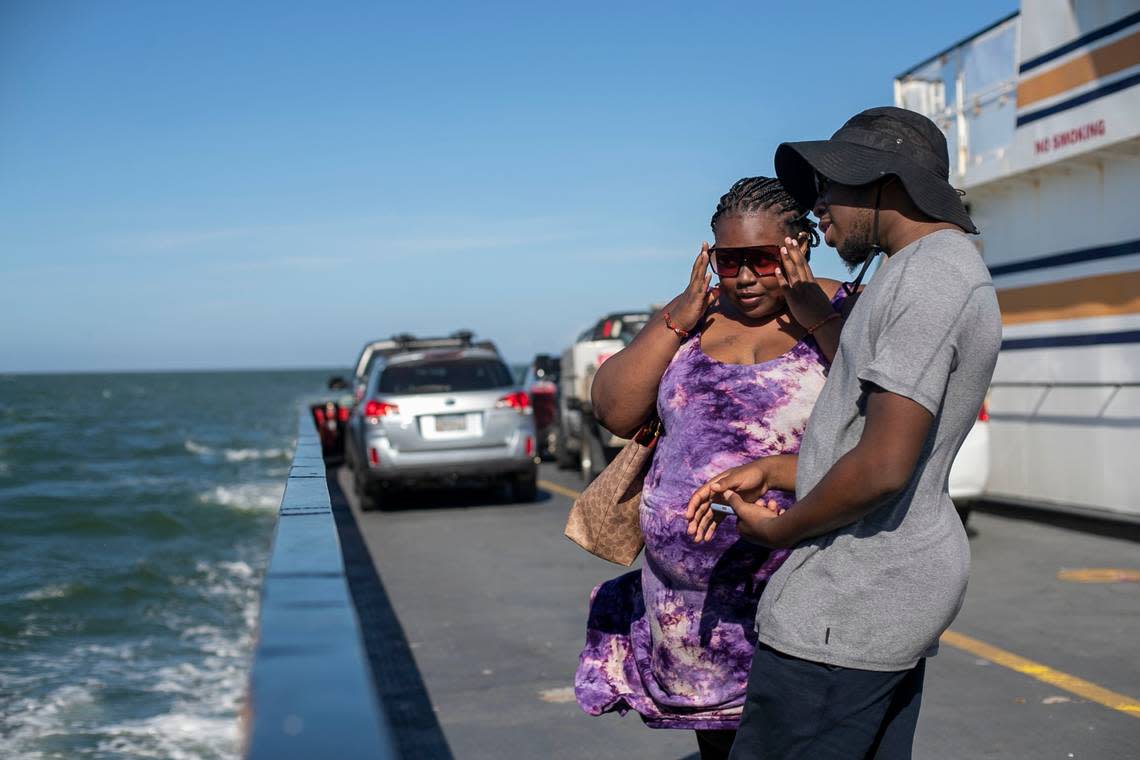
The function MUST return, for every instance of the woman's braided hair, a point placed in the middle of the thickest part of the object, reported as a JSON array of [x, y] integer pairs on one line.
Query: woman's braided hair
[[752, 194]]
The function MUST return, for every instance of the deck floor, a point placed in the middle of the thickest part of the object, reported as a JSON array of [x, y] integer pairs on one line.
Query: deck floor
[[492, 601]]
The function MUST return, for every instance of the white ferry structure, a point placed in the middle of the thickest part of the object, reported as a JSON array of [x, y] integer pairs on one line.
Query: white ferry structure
[[1042, 116]]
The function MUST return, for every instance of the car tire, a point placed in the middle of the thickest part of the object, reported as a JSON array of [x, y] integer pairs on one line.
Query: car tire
[[964, 510], [368, 494], [524, 487], [592, 459], [563, 456]]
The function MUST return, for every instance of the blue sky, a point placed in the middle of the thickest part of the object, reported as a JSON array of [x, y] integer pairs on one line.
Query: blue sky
[[270, 184]]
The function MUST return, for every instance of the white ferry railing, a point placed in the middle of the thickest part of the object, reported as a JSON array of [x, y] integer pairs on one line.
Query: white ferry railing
[[970, 91]]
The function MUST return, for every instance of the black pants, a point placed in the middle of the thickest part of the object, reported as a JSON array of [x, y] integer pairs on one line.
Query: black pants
[[799, 710]]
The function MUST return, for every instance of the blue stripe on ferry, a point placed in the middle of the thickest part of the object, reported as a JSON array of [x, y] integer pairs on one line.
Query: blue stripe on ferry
[[1069, 257], [1068, 47], [1080, 100], [1068, 341]]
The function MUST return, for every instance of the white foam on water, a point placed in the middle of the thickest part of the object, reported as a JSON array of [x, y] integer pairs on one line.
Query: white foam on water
[[204, 693], [236, 455], [56, 591], [173, 736], [197, 448], [242, 455], [25, 721], [245, 496]]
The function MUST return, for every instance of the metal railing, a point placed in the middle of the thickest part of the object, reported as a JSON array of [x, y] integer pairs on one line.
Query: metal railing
[[970, 91], [311, 693]]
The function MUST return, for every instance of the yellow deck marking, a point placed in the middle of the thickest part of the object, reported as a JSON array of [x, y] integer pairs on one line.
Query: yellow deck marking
[[546, 485], [1071, 684], [1044, 673], [1100, 575]]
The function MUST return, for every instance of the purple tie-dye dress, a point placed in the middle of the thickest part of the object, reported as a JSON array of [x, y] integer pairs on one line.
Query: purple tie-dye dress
[[674, 640]]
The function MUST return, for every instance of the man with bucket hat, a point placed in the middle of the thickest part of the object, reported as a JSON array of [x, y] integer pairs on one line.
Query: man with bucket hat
[[880, 559]]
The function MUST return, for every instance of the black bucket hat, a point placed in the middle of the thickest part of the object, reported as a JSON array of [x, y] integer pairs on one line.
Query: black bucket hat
[[877, 143]]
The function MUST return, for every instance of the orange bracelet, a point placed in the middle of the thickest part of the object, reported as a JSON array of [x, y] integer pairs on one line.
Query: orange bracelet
[[833, 315], [682, 334]]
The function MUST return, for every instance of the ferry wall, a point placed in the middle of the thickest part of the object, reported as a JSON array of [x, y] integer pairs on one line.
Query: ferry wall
[[310, 693]]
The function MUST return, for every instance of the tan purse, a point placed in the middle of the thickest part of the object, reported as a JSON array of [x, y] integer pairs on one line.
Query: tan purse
[[604, 519]]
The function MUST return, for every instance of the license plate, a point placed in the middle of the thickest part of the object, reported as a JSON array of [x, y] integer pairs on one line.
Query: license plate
[[450, 423]]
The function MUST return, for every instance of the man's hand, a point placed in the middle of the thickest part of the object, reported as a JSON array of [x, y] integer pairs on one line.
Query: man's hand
[[752, 519], [747, 483]]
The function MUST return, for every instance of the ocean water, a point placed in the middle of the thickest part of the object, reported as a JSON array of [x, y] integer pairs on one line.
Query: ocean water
[[136, 514]]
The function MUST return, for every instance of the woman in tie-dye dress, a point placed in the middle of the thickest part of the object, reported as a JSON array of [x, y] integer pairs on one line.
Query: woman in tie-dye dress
[[733, 372]]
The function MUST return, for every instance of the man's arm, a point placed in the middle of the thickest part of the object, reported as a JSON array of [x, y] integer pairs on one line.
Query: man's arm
[[880, 465]]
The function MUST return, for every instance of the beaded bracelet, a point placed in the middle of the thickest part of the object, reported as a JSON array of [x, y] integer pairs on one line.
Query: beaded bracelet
[[824, 321], [682, 334]]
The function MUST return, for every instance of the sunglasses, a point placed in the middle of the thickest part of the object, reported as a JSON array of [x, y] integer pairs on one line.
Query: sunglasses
[[822, 185], [761, 259]]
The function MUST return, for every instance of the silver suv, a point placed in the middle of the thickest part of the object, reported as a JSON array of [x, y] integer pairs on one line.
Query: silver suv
[[438, 416]]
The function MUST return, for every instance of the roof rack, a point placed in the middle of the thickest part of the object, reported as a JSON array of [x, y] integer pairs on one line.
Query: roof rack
[[404, 342]]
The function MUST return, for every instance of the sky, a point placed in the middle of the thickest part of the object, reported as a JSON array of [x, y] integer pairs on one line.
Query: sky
[[271, 184]]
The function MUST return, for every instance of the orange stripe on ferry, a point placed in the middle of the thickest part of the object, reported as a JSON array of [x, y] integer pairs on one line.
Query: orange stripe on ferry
[[1106, 295], [1109, 59]]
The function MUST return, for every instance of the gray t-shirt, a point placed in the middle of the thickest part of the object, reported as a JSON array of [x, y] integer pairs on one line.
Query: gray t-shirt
[[878, 593]]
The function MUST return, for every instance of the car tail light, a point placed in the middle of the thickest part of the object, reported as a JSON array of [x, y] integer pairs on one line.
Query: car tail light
[[342, 413], [517, 400], [373, 455], [529, 446], [984, 413], [375, 408]]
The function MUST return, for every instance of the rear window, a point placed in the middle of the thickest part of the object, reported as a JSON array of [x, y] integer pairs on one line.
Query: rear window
[[452, 376]]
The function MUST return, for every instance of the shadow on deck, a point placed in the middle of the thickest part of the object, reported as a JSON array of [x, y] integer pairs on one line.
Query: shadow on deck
[[398, 682]]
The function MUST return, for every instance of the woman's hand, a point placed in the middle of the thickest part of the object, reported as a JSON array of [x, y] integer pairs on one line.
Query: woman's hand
[[686, 310], [807, 301]]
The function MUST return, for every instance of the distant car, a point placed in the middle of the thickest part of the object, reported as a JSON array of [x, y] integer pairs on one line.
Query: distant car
[[541, 382], [439, 416], [971, 468]]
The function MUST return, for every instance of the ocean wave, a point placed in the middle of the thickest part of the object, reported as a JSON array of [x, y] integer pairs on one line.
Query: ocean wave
[[57, 591], [176, 736], [26, 720], [246, 496], [197, 702], [235, 455]]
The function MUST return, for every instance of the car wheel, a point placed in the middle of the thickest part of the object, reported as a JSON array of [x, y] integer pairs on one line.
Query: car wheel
[[524, 486], [563, 456], [964, 508], [368, 494], [592, 458]]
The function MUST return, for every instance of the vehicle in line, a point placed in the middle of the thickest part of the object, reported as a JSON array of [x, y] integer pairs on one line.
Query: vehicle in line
[[579, 440], [541, 381], [439, 417]]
